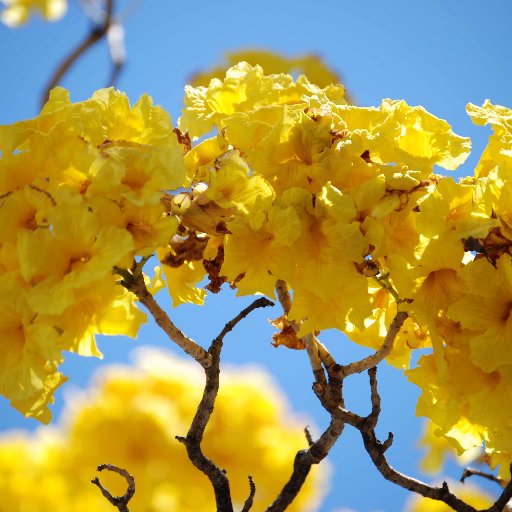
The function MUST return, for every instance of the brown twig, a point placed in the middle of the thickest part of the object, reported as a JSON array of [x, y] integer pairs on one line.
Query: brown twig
[[134, 282], [489, 476], [96, 33], [194, 437], [303, 462], [329, 392], [250, 499], [373, 360], [377, 449], [121, 502], [314, 360]]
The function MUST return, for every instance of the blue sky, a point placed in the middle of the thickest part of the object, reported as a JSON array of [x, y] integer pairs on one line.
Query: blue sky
[[440, 54]]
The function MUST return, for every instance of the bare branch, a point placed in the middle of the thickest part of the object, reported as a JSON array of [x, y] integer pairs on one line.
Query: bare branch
[[327, 360], [121, 502], [376, 450], [489, 476], [504, 498], [135, 284], [96, 33], [316, 364], [283, 295], [262, 302], [303, 462], [192, 441], [381, 354], [329, 394], [309, 437], [250, 499]]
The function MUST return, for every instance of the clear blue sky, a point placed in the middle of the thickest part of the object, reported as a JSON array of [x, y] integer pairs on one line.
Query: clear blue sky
[[440, 54]]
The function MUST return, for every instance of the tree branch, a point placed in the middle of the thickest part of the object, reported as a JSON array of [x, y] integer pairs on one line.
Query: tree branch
[[489, 476], [376, 450], [135, 284], [96, 33], [329, 392], [504, 498], [121, 502], [303, 462], [192, 441], [250, 499], [283, 295], [381, 354]]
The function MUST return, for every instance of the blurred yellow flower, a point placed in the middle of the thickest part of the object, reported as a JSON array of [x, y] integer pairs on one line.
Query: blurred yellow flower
[[130, 418], [17, 12]]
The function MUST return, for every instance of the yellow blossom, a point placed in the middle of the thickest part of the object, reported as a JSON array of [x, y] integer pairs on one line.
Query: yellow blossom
[[29, 350], [258, 250], [182, 280], [130, 417], [17, 12], [272, 63]]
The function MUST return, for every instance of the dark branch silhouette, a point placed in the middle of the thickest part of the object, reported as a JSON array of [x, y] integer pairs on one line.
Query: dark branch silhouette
[[121, 502], [194, 437], [250, 499], [489, 476]]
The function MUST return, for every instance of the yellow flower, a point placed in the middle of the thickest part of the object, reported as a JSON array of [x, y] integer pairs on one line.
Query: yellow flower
[[486, 310], [17, 12], [450, 207], [100, 307], [230, 184], [130, 417], [408, 136], [29, 350], [182, 280], [74, 253], [330, 241], [290, 150], [245, 88], [272, 63], [439, 449], [258, 249], [412, 335], [498, 151]]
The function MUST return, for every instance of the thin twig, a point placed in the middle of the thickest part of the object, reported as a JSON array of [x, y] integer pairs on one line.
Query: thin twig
[[121, 502], [194, 437], [327, 360], [504, 498], [309, 437], [328, 392], [303, 462], [96, 33], [315, 362], [250, 499], [376, 450], [489, 476], [381, 354], [262, 302], [135, 284]]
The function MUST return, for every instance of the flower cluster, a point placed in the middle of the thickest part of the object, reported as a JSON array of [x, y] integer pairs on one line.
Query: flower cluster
[[126, 418], [343, 204], [80, 189], [281, 180]]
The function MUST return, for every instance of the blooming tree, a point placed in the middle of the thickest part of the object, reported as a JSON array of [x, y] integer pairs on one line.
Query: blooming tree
[[282, 189]]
